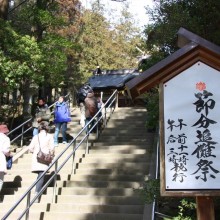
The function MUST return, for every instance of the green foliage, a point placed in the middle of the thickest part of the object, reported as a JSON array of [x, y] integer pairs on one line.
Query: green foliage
[[34, 46], [150, 190], [53, 47], [152, 105], [20, 58], [182, 209], [187, 209], [195, 15], [111, 46]]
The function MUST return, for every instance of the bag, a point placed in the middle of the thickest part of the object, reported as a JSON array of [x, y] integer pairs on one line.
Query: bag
[[51, 128], [9, 161], [44, 158], [92, 110], [62, 113]]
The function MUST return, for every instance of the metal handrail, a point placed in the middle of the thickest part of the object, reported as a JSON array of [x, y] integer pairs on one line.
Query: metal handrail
[[154, 212], [156, 175], [22, 126], [163, 215], [110, 104]]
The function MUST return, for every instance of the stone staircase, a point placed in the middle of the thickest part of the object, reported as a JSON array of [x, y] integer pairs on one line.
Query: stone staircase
[[103, 182]]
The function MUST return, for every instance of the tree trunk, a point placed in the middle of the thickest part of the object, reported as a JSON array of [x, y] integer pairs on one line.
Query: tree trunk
[[4, 9], [27, 93]]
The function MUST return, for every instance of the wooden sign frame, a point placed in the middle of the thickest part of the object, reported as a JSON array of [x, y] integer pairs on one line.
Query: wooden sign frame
[[174, 192], [193, 49]]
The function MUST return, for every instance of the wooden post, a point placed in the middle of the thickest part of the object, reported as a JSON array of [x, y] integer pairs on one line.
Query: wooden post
[[205, 208]]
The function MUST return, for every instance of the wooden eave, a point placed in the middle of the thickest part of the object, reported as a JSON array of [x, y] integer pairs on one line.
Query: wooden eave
[[192, 52]]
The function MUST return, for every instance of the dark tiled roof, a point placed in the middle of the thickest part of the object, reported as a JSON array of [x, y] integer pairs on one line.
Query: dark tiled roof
[[112, 79]]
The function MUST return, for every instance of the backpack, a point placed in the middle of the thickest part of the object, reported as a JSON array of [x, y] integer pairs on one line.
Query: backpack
[[62, 113], [91, 106], [82, 93]]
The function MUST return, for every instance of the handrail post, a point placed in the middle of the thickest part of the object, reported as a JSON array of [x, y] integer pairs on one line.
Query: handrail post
[[73, 162], [22, 135], [116, 100], [87, 144], [105, 120], [97, 127], [55, 183], [28, 205]]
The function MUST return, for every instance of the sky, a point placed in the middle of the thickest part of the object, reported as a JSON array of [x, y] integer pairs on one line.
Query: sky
[[136, 8]]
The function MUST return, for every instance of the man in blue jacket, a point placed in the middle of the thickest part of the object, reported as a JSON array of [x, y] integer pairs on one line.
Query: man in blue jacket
[[62, 117]]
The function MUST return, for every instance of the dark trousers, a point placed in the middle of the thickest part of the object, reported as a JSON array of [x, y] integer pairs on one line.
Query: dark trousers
[[40, 183]]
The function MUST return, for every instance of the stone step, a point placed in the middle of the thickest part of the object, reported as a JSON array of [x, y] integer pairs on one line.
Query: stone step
[[34, 215], [12, 193], [78, 177], [113, 142], [26, 163], [120, 146], [128, 136], [132, 123], [111, 171], [91, 216], [75, 191], [133, 114], [99, 200], [87, 208], [99, 163], [102, 187], [133, 140], [82, 200], [128, 165], [109, 154], [94, 152], [10, 201], [116, 150], [44, 199], [81, 181], [118, 177], [138, 132], [97, 192], [114, 159], [101, 184], [65, 174], [21, 169]]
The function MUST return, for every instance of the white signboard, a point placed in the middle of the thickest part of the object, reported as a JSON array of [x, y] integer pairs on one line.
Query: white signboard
[[192, 129]]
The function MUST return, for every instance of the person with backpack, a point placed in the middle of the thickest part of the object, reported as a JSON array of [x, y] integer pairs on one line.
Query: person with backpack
[[91, 108], [81, 95], [61, 118]]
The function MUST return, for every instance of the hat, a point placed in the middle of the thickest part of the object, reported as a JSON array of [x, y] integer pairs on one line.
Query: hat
[[4, 129]]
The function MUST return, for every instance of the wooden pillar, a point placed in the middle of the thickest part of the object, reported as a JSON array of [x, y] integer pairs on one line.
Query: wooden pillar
[[205, 208]]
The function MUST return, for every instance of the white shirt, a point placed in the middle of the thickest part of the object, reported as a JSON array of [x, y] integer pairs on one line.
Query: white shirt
[[4, 149]]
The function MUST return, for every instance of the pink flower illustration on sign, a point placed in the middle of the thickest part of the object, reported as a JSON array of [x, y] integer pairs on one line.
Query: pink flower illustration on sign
[[201, 86]]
